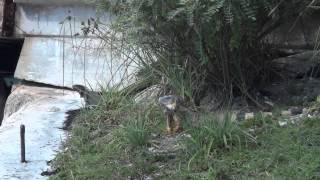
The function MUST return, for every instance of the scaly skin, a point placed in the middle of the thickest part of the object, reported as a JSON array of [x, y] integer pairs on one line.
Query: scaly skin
[[173, 124]]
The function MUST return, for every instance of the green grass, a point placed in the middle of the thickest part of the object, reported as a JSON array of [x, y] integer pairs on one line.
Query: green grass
[[280, 153], [111, 141]]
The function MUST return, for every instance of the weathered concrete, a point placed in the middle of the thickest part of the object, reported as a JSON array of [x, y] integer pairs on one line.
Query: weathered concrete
[[52, 20], [67, 62], [50, 2], [52, 55]]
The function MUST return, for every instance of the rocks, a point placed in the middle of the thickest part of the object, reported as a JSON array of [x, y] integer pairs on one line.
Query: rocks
[[293, 111], [297, 91], [283, 123], [248, 116], [149, 95], [298, 65], [167, 145], [293, 115], [296, 33], [296, 110], [285, 113], [267, 114], [252, 115]]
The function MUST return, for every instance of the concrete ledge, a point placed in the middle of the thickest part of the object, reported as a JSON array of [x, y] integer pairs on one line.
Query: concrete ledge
[[65, 62], [54, 2]]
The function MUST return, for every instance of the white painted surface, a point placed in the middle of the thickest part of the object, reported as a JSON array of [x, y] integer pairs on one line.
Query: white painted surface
[[66, 62], [52, 19], [52, 1], [52, 55], [43, 119]]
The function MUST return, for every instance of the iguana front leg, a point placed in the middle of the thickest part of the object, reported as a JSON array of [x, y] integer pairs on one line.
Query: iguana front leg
[[178, 127], [169, 117]]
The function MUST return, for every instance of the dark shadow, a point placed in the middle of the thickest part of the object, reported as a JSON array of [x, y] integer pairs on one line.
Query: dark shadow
[[10, 49]]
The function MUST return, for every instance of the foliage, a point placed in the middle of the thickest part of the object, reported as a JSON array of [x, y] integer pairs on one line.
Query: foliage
[[220, 44], [189, 46], [104, 151], [134, 132], [214, 135], [107, 137]]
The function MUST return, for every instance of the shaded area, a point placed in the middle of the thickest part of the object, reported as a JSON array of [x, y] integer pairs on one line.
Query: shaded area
[[71, 116], [10, 49]]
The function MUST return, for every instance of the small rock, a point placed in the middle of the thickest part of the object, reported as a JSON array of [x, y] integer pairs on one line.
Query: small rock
[[151, 149], [285, 113], [283, 123], [296, 110], [267, 114], [248, 116], [269, 103], [154, 135], [186, 135], [296, 118]]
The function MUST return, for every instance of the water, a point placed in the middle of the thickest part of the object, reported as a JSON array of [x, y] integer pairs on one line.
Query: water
[[43, 117]]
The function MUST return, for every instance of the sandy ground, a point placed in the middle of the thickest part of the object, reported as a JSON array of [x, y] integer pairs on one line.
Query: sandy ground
[[43, 118]]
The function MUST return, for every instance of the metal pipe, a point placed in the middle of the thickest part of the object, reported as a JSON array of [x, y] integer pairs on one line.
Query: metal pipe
[[23, 145]]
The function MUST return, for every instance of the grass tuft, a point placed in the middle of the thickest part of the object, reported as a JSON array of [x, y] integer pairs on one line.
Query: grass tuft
[[213, 136], [134, 133]]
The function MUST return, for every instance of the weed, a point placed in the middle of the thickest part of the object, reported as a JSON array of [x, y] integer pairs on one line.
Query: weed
[[135, 133], [213, 136]]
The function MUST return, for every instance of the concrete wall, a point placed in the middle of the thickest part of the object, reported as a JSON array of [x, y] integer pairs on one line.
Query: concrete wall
[[66, 62], [52, 20], [51, 2], [51, 55]]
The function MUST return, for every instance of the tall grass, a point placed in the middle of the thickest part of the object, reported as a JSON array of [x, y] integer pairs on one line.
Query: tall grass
[[213, 135], [134, 133]]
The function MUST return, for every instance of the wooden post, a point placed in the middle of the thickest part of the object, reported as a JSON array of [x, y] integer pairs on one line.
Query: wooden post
[[23, 146]]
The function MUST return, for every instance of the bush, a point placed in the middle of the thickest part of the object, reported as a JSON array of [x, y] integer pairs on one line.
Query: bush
[[219, 44]]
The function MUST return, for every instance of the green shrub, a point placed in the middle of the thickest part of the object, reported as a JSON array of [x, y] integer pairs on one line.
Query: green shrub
[[220, 44]]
